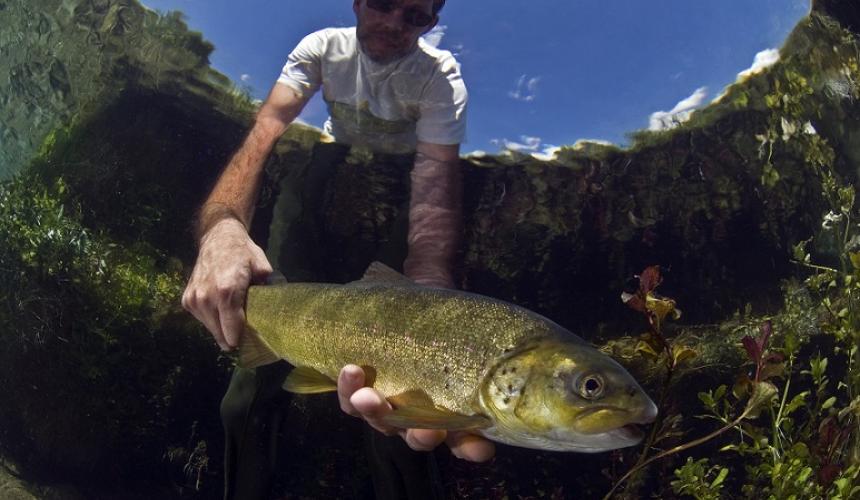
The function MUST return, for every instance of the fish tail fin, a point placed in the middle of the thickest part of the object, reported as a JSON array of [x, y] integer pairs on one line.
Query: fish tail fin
[[253, 350]]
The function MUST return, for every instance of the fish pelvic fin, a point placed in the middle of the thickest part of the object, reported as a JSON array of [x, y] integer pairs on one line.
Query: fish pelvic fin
[[434, 418], [377, 272], [306, 380], [254, 351]]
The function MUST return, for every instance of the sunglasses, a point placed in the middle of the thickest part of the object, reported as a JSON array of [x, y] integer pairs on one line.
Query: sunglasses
[[412, 16]]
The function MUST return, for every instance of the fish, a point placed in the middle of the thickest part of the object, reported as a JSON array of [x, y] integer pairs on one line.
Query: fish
[[448, 359]]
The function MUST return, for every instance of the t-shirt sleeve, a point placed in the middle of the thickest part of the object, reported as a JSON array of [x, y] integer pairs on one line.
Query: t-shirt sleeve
[[442, 117], [303, 70]]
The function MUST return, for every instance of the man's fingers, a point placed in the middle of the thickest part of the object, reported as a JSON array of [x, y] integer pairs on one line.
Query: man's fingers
[[470, 447], [206, 313], [232, 318], [424, 439], [350, 379], [372, 407], [260, 266]]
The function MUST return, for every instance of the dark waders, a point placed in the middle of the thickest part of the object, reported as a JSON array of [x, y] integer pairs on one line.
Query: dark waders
[[253, 412], [254, 408]]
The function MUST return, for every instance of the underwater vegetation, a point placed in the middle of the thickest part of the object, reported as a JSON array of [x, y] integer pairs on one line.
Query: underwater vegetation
[[748, 209]]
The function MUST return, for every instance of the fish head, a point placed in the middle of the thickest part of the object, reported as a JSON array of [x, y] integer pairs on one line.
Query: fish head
[[564, 395]]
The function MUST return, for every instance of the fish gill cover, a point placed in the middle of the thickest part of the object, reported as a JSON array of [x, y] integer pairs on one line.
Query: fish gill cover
[[112, 138]]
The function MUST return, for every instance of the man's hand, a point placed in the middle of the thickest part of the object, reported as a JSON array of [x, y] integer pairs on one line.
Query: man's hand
[[227, 263], [364, 402]]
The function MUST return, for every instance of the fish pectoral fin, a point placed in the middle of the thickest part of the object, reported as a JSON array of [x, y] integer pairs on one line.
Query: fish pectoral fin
[[253, 351], [306, 380], [412, 417]]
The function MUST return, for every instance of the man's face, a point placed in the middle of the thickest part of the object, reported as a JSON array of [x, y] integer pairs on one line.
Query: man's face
[[388, 36]]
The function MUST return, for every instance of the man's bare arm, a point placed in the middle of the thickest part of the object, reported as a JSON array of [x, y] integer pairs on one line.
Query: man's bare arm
[[228, 260], [435, 215], [235, 193]]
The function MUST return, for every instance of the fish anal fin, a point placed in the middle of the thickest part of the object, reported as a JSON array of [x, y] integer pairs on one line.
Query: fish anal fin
[[377, 272], [253, 351], [415, 417], [306, 380]]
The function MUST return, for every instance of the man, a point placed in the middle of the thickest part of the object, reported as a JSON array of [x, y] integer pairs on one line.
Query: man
[[387, 89]]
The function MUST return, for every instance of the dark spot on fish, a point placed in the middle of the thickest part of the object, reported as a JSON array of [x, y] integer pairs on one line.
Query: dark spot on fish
[[504, 371], [446, 370], [513, 369], [510, 387], [447, 385], [506, 400]]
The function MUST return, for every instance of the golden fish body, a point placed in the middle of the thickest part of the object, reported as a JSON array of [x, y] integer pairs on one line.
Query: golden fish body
[[448, 359]]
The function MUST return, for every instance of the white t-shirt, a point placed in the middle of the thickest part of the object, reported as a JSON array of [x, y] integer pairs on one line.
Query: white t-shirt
[[387, 107]]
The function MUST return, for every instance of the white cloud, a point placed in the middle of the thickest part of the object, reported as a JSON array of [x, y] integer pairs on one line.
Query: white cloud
[[662, 120], [763, 59], [529, 145], [434, 36], [526, 90], [549, 153], [245, 77]]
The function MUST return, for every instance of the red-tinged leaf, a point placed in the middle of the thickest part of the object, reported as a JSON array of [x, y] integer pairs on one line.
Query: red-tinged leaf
[[828, 433], [766, 330], [635, 302], [753, 349], [649, 279], [774, 357], [828, 474]]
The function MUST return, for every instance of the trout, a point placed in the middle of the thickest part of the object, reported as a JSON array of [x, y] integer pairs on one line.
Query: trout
[[448, 359]]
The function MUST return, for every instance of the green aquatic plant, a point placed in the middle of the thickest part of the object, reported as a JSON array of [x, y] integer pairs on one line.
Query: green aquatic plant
[[700, 480], [794, 426], [94, 351]]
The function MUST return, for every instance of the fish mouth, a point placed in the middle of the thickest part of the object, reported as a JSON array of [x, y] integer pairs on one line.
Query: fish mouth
[[630, 432]]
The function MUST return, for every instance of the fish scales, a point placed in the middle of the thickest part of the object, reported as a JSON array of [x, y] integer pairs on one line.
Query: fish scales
[[419, 340]]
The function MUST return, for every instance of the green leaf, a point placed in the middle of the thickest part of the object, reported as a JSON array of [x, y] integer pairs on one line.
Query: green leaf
[[855, 259], [796, 402], [682, 353], [829, 403], [763, 393], [646, 349], [720, 478], [707, 399]]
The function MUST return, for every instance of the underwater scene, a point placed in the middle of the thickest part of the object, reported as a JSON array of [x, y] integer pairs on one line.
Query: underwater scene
[[222, 281]]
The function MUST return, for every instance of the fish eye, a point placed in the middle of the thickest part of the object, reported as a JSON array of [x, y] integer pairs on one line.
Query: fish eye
[[591, 386]]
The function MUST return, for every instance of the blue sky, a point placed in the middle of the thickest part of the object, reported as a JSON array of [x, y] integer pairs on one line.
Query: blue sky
[[540, 73]]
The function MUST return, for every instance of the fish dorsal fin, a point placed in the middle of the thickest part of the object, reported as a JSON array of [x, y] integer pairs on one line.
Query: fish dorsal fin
[[276, 278], [377, 272], [254, 351], [417, 417], [306, 380]]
